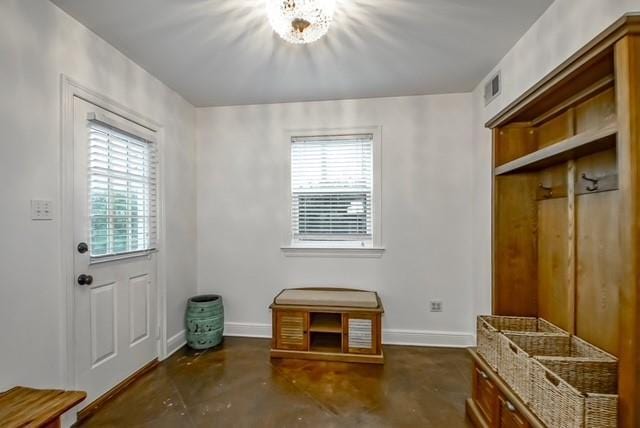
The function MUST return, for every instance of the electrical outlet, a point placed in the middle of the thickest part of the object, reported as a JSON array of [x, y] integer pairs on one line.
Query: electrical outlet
[[436, 305], [41, 210]]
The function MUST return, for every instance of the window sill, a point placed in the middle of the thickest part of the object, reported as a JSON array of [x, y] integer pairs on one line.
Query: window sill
[[122, 256], [308, 251]]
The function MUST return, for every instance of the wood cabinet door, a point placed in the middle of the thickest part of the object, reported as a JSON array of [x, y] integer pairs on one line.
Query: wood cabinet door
[[361, 333], [291, 330], [485, 394], [509, 415]]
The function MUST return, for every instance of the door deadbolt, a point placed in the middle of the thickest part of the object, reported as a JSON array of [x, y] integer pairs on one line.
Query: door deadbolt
[[83, 247]]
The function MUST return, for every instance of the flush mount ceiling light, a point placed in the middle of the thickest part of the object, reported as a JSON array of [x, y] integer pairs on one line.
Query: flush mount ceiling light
[[300, 21]]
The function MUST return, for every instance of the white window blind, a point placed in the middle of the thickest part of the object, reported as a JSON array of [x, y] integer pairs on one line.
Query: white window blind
[[122, 192], [331, 188]]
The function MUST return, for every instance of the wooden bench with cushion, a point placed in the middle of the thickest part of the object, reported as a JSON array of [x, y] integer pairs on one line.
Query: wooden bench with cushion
[[28, 407], [334, 324]]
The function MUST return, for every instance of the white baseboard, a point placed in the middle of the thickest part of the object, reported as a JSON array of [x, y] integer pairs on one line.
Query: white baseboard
[[389, 337], [447, 339], [176, 342], [246, 329]]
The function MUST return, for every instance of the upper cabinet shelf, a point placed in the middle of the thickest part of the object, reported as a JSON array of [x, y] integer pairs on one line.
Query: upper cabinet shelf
[[579, 145]]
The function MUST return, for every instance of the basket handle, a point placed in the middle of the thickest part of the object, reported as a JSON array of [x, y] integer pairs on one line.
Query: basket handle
[[513, 348], [552, 379]]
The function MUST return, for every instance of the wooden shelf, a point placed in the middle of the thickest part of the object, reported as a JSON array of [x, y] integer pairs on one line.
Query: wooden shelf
[[506, 390], [576, 146], [326, 323], [325, 342]]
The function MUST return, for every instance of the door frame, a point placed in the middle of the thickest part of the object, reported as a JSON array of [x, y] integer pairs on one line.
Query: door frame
[[70, 89]]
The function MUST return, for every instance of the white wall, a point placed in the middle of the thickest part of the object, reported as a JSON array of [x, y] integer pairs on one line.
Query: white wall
[[426, 212], [564, 28], [482, 188], [38, 42], [561, 31], [436, 180]]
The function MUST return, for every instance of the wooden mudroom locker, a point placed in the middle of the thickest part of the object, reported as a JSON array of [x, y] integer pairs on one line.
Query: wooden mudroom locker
[[566, 219]]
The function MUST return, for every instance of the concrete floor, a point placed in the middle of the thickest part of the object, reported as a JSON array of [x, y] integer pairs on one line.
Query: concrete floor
[[239, 386]]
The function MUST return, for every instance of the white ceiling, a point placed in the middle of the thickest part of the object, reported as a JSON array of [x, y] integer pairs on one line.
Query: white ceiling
[[223, 52]]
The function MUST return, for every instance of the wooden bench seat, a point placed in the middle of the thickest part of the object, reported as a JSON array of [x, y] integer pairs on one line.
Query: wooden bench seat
[[327, 324], [28, 407], [327, 297]]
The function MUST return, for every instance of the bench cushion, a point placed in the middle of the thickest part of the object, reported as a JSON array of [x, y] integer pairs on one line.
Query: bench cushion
[[351, 299]]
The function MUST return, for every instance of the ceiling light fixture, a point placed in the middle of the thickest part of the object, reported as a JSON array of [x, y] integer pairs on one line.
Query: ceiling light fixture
[[300, 21]]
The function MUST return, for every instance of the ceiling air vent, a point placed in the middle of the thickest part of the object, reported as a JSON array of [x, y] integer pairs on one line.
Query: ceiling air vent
[[492, 88]]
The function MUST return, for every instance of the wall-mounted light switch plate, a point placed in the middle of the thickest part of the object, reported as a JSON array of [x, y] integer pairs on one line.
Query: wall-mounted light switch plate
[[41, 210]]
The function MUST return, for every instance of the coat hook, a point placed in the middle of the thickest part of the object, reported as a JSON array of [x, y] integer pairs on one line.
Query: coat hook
[[594, 181], [547, 189]]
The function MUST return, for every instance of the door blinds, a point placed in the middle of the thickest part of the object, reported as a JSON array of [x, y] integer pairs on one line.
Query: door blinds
[[122, 192]]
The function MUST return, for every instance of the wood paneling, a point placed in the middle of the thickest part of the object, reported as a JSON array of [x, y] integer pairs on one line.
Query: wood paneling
[[597, 112], [598, 269], [554, 299], [555, 286], [515, 254], [627, 63], [598, 256], [593, 69], [571, 246], [512, 142], [552, 182], [577, 99], [602, 166], [555, 130], [576, 146]]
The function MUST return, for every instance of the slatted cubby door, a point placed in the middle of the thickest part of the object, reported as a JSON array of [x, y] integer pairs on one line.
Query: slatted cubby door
[[292, 330], [360, 333]]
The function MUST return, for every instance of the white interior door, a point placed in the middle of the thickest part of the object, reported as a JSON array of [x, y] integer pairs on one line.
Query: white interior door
[[116, 329]]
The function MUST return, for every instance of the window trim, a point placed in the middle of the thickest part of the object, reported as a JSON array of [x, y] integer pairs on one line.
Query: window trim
[[124, 126], [96, 260], [293, 248]]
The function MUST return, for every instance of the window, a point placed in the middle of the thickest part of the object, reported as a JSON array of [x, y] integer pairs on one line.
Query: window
[[122, 192], [332, 190]]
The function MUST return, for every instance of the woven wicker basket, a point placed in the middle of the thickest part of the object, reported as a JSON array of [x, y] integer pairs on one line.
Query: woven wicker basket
[[516, 350], [490, 326], [575, 393]]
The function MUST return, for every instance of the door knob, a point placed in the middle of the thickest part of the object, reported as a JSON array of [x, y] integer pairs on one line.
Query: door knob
[[84, 279], [83, 247]]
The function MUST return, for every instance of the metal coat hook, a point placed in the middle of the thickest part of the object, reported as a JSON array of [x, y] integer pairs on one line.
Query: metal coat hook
[[547, 189], [594, 181]]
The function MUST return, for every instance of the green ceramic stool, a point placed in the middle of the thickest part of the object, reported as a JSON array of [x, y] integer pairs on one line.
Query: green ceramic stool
[[205, 321]]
